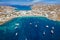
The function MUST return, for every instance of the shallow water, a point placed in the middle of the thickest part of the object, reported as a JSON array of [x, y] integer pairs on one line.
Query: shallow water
[[30, 28]]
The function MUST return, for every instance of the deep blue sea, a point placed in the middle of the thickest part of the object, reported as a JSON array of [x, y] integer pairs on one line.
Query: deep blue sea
[[21, 7], [28, 31]]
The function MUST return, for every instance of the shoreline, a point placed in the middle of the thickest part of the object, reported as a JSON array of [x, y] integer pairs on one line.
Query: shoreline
[[31, 17]]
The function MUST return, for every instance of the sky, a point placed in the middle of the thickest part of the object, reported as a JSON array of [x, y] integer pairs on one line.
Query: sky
[[22, 2]]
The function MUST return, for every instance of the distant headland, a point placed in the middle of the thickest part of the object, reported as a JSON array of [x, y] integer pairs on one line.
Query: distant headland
[[49, 11]]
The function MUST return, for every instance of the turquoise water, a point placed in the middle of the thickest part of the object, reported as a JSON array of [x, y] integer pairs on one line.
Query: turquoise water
[[29, 31]]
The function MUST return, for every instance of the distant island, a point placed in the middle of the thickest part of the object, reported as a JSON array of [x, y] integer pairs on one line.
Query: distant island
[[51, 12]]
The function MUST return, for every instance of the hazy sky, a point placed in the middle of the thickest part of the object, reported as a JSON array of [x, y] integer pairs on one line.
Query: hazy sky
[[19, 2]]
